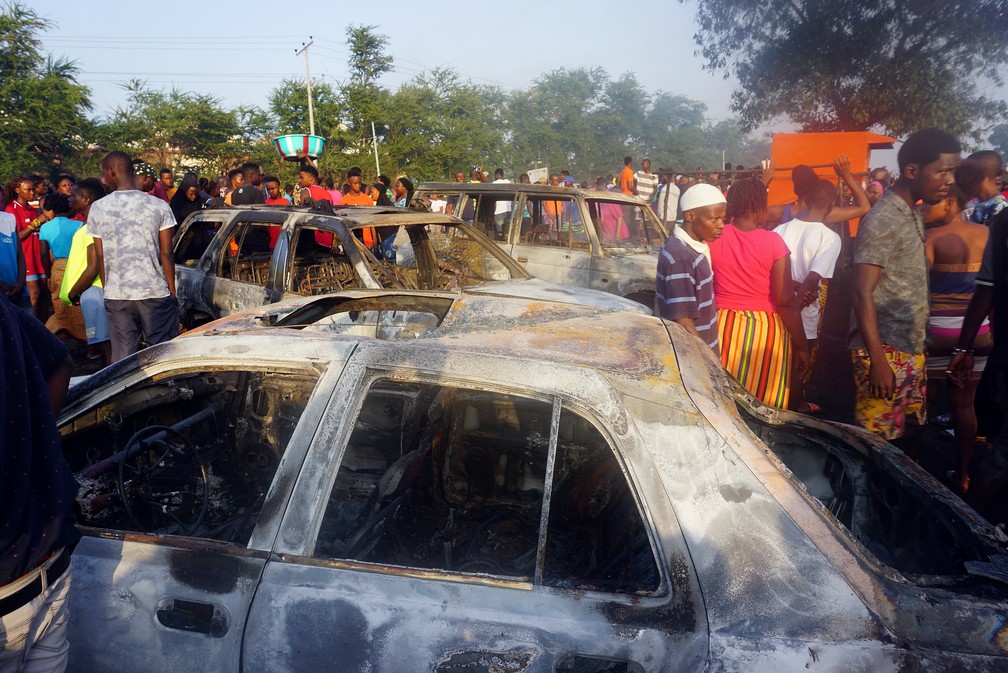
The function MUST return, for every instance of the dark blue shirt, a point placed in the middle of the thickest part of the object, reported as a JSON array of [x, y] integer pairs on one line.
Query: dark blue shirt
[[37, 489], [684, 288]]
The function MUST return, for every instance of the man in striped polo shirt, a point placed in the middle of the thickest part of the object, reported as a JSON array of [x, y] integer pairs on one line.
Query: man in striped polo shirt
[[684, 287]]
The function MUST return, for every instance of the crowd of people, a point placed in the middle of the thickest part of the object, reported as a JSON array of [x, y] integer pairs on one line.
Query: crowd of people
[[924, 265], [64, 259]]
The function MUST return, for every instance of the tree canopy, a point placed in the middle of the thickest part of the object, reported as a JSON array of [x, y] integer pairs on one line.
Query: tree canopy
[[849, 65], [43, 109], [581, 119]]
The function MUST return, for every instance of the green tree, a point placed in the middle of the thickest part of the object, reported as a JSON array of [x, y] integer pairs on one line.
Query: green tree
[[558, 122], [364, 100], [849, 65], [999, 140], [42, 106], [442, 124], [176, 128], [674, 133]]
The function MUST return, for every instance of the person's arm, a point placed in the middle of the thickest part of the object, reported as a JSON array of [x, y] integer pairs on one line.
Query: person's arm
[[676, 291], [14, 291], [167, 256], [861, 203], [100, 257], [768, 172], [808, 289], [882, 379], [52, 357], [58, 382], [784, 299], [87, 277], [33, 227], [962, 357], [45, 252], [689, 324], [774, 214]]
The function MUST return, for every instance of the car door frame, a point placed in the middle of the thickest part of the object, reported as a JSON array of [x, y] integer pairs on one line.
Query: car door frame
[[441, 604], [190, 281], [576, 262], [137, 588], [210, 264]]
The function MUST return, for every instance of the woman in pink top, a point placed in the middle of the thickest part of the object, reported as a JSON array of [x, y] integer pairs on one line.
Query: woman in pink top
[[758, 320]]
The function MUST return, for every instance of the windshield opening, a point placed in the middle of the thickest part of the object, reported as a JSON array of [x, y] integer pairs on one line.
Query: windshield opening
[[625, 225]]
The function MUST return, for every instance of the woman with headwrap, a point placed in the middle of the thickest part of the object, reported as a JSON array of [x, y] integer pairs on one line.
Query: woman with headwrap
[[187, 198]]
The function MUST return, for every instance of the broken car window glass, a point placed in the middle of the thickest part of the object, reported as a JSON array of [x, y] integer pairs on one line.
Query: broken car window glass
[[192, 454], [194, 242]]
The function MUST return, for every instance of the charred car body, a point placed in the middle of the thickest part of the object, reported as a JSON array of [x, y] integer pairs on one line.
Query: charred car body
[[486, 485], [592, 239], [228, 260]]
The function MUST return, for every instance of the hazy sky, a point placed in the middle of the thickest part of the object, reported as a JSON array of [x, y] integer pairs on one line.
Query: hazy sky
[[239, 51]]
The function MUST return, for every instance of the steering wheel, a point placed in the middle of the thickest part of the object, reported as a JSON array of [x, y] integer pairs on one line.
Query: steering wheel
[[162, 476]]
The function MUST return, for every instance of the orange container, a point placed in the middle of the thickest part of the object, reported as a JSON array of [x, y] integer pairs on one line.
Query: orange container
[[818, 150]]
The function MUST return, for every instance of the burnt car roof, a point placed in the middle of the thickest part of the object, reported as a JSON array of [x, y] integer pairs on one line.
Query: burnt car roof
[[514, 187], [363, 216], [513, 326]]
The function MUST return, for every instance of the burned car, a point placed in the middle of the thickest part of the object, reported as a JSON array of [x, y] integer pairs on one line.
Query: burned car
[[481, 484], [227, 260], [592, 239]]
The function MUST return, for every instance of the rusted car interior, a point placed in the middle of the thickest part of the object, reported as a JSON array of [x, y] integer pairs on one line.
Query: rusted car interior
[[908, 528], [190, 455], [444, 478]]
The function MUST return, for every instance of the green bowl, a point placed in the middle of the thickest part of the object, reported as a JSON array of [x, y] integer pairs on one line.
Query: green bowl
[[289, 145]]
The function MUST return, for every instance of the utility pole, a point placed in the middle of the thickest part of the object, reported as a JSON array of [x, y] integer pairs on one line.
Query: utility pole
[[311, 109], [374, 141]]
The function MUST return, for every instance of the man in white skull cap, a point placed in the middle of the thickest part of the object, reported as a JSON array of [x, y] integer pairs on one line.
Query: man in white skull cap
[[684, 287]]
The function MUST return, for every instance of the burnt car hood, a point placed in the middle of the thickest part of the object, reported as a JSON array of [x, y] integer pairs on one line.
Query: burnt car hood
[[940, 593]]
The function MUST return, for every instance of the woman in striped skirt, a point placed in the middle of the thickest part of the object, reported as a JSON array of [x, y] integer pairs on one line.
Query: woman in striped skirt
[[758, 321]]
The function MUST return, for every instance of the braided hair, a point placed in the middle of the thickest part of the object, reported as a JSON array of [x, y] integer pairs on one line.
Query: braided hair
[[10, 189], [746, 197]]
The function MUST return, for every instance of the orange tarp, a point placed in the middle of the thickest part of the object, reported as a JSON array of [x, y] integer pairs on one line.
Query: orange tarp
[[818, 151]]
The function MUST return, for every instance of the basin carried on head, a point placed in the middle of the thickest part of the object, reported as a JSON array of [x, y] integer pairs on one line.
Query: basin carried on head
[[289, 145]]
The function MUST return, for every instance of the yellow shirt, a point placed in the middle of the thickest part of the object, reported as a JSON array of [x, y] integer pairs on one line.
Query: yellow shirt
[[76, 262]]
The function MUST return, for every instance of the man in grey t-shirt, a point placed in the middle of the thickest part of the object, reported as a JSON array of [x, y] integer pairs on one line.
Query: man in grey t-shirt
[[890, 292], [133, 242]]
